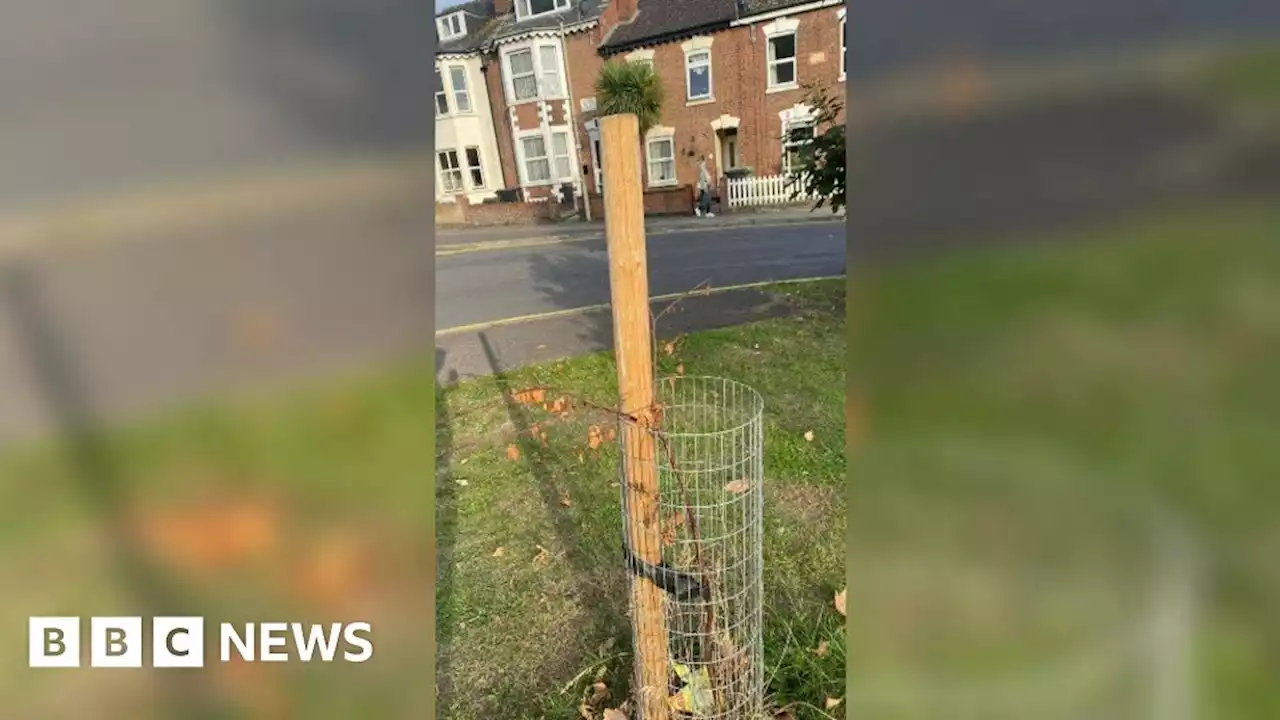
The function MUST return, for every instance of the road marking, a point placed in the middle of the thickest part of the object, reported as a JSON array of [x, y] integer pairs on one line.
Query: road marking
[[512, 244], [569, 312], [495, 245]]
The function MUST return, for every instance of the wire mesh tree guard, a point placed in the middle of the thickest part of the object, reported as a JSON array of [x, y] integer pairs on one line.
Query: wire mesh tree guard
[[708, 440]]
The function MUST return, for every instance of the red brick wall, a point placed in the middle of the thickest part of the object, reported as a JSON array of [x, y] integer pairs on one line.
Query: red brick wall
[[501, 121], [462, 212], [450, 214], [738, 85], [658, 201], [738, 80]]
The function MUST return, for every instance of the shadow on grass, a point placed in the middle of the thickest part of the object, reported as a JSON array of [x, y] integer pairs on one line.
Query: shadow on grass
[[595, 577], [102, 484]]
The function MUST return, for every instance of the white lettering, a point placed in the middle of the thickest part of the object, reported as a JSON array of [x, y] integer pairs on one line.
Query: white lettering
[[366, 644], [272, 636], [243, 645], [328, 643]]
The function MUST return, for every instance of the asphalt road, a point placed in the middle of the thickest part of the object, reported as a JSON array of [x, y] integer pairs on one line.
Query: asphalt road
[[113, 331], [484, 286]]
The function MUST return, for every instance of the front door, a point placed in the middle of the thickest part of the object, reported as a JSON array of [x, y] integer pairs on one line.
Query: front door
[[595, 164]]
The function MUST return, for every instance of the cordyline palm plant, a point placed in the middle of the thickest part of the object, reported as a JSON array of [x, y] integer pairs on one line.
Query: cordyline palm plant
[[630, 88]]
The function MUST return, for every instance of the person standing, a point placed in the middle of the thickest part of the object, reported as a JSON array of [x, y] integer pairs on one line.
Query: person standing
[[704, 189]]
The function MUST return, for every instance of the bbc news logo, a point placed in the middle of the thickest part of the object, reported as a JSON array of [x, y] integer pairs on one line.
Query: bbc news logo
[[179, 642]]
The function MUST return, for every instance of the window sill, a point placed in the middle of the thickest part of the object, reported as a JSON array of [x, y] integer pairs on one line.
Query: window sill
[[665, 184], [694, 102], [782, 88], [514, 103], [548, 183]]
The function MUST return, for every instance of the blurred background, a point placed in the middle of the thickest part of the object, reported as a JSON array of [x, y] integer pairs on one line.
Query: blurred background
[[1063, 227], [208, 210]]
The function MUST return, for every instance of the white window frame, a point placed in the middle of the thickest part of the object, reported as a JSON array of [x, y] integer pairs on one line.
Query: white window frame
[[569, 175], [781, 28], [539, 73], [689, 66], [844, 44], [459, 186], [650, 160], [544, 71], [526, 178], [472, 169], [524, 10], [465, 92], [446, 26], [511, 74], [442, 93], [788, 144]]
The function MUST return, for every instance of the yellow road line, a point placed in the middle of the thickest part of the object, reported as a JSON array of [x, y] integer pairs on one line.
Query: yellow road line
[[569, 312], [510, 244], [495, 245]]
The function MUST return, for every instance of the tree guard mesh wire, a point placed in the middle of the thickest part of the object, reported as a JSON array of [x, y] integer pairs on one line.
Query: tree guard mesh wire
[[707, 444]]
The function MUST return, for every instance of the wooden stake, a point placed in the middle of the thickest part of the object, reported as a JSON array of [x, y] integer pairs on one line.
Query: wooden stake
[[629, 285]]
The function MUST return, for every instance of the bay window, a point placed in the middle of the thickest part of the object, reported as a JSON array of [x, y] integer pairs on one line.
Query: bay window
[[474, 168], [461, 96], [537, 167], [450, 172]]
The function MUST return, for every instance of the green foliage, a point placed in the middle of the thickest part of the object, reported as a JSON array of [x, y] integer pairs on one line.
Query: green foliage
[[630, 88], [821, 171]]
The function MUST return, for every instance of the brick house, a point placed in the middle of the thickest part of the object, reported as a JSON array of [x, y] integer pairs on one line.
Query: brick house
[[545, 51], [733, 72], [468, 161]]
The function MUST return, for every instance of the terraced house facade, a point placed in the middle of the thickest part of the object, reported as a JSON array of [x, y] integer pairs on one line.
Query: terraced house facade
[[733, 71], [467, 156]]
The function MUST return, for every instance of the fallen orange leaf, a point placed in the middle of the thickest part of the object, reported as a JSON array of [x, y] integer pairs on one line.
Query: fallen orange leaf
[[832, 702], [531, 396], [593, 437], [737, 487], [513, 453], [840, 607], [680, 369]]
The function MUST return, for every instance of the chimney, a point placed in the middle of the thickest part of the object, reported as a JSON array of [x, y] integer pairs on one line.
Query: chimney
[[503, 7], [627, 9]]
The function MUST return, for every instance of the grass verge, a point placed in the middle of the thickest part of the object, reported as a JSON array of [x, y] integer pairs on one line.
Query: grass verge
[[1031, 412], [531, 598]]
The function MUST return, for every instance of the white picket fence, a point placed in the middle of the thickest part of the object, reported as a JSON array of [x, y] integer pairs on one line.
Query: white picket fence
[[760, 190]]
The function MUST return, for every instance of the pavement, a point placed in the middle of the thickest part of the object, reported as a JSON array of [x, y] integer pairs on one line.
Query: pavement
[[453, 239], [484, 350]]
